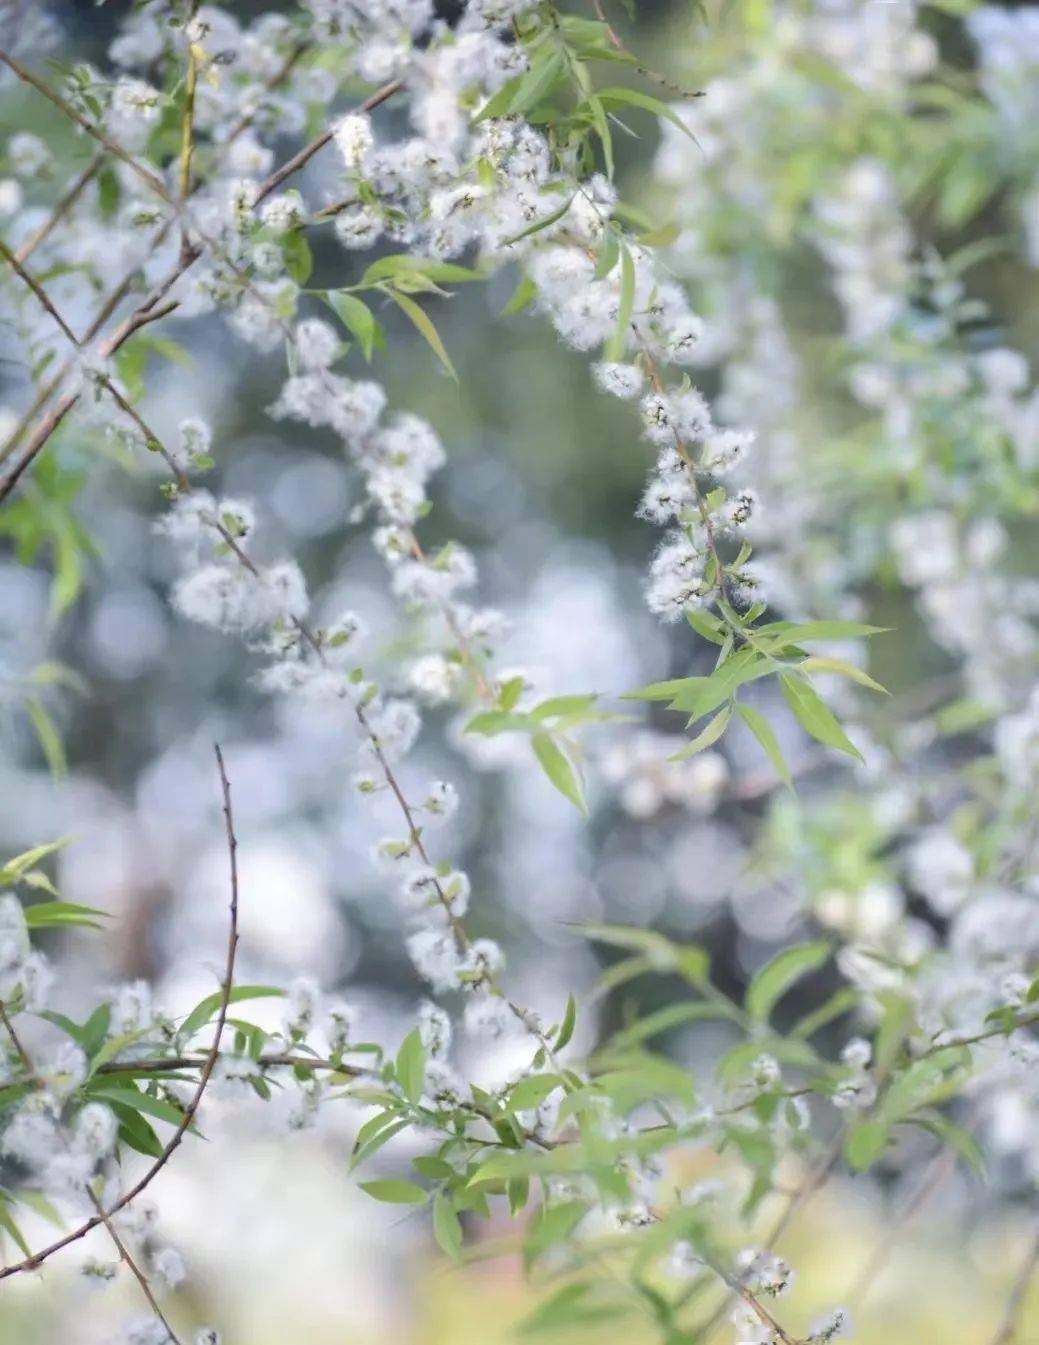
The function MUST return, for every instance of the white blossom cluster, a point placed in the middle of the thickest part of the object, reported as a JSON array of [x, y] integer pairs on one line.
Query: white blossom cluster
[[931, 393]]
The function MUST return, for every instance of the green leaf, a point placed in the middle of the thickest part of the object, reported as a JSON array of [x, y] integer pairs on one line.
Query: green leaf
[[206, 1008], [566, 1027], [815, 716], [403, 268], [20, 865], [865, 1143], [777, 976], [557, 766], [424, 324], [562, 705], [48, 737], [111, 1048], [664, 691], [707, 737], [447, 1227], [395, 1191], [137, 1101], [493, 722], [356, 317], [746, 665], [47, 914], [532, 1090], [617, 342], [546, 69], [523, 296], [299, 261], [765, 734], [555, 1223], [371, 1142], [818, 663], [706, 625], [663, 1020], [545, 222], [621, 97], [8, 1224], [839, 1003], [793, 632], [135, 1131], [958, 1139], [411, 1066], [569, 1308]]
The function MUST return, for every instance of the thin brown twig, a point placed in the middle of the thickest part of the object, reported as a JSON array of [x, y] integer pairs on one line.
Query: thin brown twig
[[140, 318], [1010, 1323], [600, 14], [61, 207], [170, 1064], [280, 76], [816, 1178], [111, 303], [303, 156], [73, 113], [188, 1116], [41, 294], [939, 1168]]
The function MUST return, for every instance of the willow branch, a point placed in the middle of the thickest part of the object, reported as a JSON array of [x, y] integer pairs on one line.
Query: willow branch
[[1011, 1321], [95, 132], [189, 255], [123, 288], [41, 294], [31, 1262], [61, 207]]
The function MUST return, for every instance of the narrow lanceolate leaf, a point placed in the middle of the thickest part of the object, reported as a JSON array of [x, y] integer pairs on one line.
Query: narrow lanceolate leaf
[[532, 1090], [137, 1101], [545, 222], [357, 318], [522, 297], [396, 1191], [776, 977], [447, 1227], [411, 1066], [865, 1143], [664, 691], [206, 1008], [707, 737], [744, 666], [615, 346], [621, 97], [820, 663], [558, 767], [424, 323], [815, 716], [48, 737], [805, 632], [765, 734], [566, 1027], [47, 914], [21, 864]]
